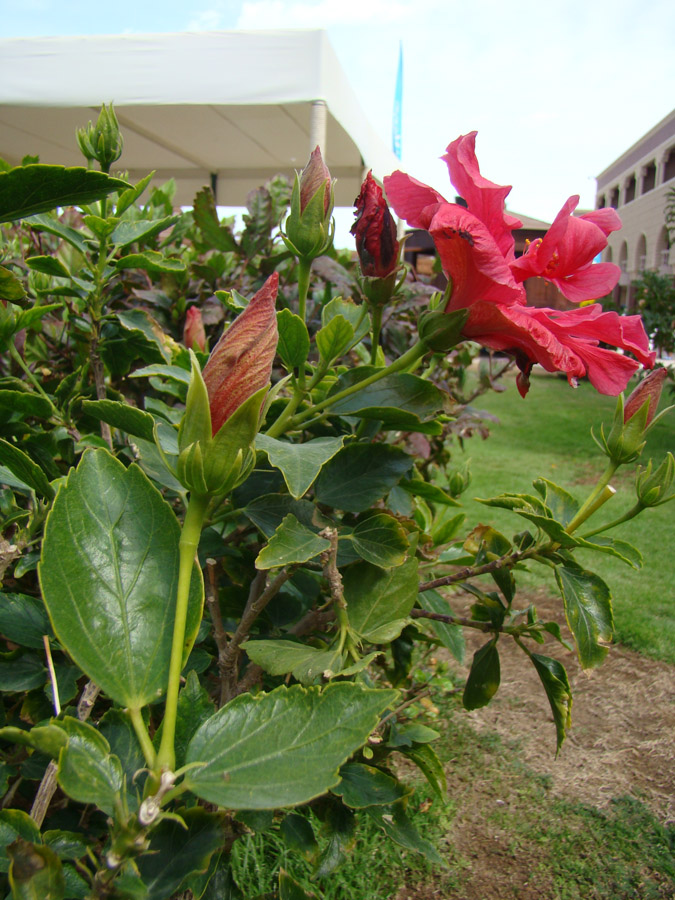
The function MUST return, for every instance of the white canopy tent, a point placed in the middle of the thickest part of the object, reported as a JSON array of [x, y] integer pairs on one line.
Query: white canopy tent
[[227, 109]]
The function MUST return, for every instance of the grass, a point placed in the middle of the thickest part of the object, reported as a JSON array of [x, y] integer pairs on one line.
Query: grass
[[501, 823], [548, 434]]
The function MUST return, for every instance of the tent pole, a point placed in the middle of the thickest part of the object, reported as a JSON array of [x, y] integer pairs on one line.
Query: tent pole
[[317, 126], [214, 186]]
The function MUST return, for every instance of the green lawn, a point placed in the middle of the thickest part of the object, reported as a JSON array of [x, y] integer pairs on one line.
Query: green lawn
[[548, 434]]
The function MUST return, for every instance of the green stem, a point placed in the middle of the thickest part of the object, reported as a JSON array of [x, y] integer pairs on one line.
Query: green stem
[[189, 541], [16, 356], [304, 267], [377, 327], [279, 426], [415, 353], [595, 499], [632, 512], [143, 737]]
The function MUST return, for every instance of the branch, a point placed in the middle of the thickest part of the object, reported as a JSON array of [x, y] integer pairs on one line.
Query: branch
[[258, 598]]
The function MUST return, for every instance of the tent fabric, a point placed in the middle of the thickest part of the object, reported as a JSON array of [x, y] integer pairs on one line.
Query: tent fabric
[[235, 105]]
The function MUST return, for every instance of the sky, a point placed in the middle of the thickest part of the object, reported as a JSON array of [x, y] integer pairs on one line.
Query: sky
[[556, 90]]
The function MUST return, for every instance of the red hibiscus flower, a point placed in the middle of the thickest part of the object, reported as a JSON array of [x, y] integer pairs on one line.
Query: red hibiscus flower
[[563, 341], [475, 246], [565, 254]]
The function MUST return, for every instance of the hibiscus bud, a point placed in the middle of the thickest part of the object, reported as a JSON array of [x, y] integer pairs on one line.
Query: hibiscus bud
[[222, 410], [103, 141], [654, 488], [308, 228], [193, 330], [241, 362], [459, 481], [375, 231], [648, 391]]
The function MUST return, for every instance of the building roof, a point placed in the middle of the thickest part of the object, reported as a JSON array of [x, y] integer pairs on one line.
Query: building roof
[[231, 104], [660, 133]]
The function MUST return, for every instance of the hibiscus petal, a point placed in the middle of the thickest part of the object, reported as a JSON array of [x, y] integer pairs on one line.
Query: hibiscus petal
[[484, 198], [413, 201]]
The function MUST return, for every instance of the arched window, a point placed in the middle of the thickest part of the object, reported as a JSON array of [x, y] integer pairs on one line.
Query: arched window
[[662, 255], [648, 177], [623, 257], [629, 191], [607, 256], [601, 202], [614, 198], [641, 254], [669, 168]]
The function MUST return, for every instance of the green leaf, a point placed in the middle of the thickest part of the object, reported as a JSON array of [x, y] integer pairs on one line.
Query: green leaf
[[354, 313], [293, 346], [561, 503], [426, 759], [131, 195], [451, 636], [27, 190], [414, 733], [268, 511], [395, 823], [556, 684], [66, 844], [21, 671], [379, 600], [338, 826], [10, 287], [283, 748], [380, 540], [35, 872], [614, 547], [140, 320], [47, 739], [48, 265], [21, 465], [290, 543], [362, 786], [115, 726], [427, 491], [588, 610], [359, 475], [334, 339], [15, 823], [120, 415], [87, 771], [25, 403], [484, 677], [298, 835], [173, 373], [23, 620], [52, 225], [402, 401], [289, 889], [177, 852], [217, 236], [300, 464], [109, 575], [305, 663], [150, 261], [130, 232]]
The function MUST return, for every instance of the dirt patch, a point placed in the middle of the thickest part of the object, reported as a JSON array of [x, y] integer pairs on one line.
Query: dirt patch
[[623, 722]]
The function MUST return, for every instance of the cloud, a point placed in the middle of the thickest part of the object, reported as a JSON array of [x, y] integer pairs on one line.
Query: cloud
[[207, 20], [326, 13]]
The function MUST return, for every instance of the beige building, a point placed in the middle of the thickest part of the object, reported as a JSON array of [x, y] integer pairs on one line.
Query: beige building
[[636, 185]]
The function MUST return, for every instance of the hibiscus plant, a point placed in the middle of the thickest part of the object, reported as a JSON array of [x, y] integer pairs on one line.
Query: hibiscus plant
[[219, 570]]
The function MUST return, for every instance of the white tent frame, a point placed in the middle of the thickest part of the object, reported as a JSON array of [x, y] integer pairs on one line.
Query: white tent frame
[[227, 109]]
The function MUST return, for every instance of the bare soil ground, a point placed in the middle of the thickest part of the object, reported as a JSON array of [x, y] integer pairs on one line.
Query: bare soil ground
[[622, 741]]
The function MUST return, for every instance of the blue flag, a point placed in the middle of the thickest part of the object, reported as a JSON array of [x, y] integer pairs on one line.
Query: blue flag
[[398, 103]]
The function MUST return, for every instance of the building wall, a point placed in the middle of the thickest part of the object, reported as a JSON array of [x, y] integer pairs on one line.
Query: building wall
[[636, 185]]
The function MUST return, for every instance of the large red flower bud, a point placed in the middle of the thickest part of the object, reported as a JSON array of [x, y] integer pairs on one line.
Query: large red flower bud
[[308, 229], [241, 362], [375, 231], [193, 330]]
